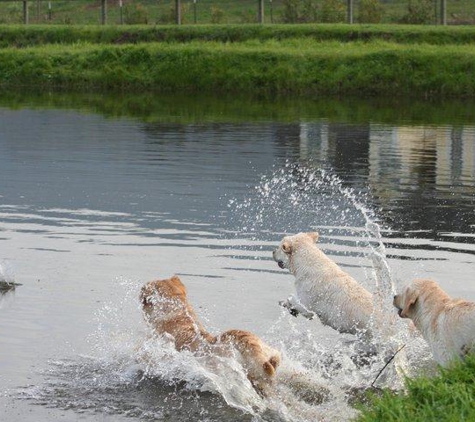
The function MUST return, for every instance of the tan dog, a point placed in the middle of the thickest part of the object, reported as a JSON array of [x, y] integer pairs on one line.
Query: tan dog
[[448, 325], [323, 288], [166, 309]]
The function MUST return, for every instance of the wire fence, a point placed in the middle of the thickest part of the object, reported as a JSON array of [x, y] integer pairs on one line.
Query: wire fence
[[126, 12]]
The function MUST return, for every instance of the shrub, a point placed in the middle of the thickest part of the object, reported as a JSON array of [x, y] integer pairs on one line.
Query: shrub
[[135, 13], [299, 11], [419, 12], [248, 16], [370, 11], [217, 15], [170, 16], [332, 11]]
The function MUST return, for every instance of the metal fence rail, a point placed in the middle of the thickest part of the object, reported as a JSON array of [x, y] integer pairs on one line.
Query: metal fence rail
[[236, 11]]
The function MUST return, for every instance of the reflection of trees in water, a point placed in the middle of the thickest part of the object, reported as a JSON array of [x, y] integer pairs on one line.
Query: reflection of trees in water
[[426, 184], [421, 177]]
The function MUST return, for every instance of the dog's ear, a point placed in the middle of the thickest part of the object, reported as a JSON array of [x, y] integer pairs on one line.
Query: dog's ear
[[275, 361], [178, 284], [313, 235], [287, 247], [176, 279], [410, 298], [269, 368]]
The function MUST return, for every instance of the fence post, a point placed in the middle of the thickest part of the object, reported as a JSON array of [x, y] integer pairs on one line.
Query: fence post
[[349, 11], [49, 11], [178, 12], [103, 12], [194, 11], [25, 12], [121, 12], [260, 13], [443, 12]]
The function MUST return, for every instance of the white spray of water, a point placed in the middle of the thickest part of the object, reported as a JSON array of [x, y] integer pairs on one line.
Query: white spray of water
[[299, 198], [7, 275]]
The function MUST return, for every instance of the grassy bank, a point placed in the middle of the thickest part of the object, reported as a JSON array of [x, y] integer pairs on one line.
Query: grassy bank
[[295, 66], [447, 397], [21, 36]]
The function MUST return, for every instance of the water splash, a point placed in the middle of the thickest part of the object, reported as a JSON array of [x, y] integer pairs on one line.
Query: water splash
[[300, 197], [134, 373], [7, 275], [7, 281]]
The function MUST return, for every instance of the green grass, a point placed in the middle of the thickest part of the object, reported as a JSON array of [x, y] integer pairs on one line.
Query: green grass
[[291, 66], [21, 36], [447, 397]]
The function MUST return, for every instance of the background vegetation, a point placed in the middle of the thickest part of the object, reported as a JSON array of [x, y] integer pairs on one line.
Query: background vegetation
[[237, 11]]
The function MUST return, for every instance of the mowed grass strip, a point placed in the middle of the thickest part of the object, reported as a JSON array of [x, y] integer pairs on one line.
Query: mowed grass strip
[[276, 67], [31, 35]]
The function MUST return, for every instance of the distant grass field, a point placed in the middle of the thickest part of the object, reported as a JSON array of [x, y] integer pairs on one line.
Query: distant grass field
[[447, 397], [207, 11]]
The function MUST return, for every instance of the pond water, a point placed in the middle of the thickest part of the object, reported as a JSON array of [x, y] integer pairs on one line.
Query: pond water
[[100, 194]]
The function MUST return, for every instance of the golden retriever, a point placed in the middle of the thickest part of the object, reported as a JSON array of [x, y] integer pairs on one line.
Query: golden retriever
[[448, 325], [167, 310], [323, 288]]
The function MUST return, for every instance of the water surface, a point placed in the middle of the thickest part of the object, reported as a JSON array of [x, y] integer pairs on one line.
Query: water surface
[[100, 194]]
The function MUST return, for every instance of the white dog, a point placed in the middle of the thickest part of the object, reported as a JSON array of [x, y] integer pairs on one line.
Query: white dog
[[323, 288], [448, 325]]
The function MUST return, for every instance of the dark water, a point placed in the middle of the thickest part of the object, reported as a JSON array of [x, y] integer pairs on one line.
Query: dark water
[[99, 194]]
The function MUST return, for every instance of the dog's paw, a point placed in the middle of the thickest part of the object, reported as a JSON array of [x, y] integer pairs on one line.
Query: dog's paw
[[284, 303], [310, 315], [293, 312]]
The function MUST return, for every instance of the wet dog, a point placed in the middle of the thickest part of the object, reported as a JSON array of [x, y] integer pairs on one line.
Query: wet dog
[[167, 311], [323, 288], [448, 325]]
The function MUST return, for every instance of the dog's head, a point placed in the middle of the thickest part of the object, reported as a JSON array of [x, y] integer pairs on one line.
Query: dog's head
[[289, 244], [162, 297], [408, 301]]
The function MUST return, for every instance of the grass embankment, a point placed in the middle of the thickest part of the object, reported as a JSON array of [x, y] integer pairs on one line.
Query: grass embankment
[[446, 397], [21, 36], [297, 66], [302, 60]]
